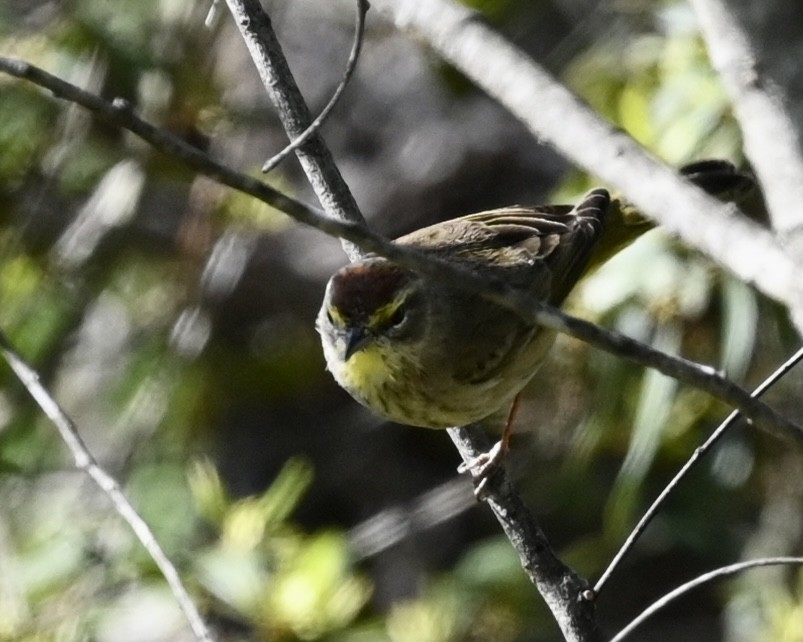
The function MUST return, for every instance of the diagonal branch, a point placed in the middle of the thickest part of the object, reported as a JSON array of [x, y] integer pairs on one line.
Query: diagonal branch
[[556, 115], [703, 377], [568, 596], [85, 462], [351, 65]]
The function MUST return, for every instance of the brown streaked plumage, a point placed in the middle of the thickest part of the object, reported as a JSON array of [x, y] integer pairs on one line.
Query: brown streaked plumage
[[427, 354]]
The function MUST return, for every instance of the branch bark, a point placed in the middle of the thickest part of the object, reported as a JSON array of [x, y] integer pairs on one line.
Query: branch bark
[[568, 596]]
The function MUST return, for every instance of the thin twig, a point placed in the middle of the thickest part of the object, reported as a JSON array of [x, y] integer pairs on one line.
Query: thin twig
[[351, 65], [85, 462], [529, 309], [698, 454], [770, 136], [716, 574]]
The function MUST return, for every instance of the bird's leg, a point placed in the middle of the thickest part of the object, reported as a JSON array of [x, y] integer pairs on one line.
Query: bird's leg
[[484, 465]]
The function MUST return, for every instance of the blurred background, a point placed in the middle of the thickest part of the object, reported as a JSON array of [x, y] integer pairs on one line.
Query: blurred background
[[173, 319]]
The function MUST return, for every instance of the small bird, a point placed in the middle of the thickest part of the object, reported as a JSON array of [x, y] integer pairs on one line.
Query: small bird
[[425, 353]]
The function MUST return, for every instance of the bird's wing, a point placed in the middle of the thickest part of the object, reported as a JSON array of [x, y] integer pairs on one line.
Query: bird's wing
[[543, 249]]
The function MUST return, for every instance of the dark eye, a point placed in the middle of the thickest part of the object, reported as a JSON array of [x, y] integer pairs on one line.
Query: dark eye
[[329, 316], [398, 316]]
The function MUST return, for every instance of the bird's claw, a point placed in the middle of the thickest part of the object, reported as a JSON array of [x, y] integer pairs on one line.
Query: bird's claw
[[483, 466]]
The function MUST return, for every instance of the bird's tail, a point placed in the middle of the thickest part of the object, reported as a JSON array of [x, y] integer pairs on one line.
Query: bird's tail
[[720, 178]]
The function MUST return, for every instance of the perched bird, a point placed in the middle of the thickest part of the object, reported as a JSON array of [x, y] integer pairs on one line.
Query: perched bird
[[421, 352]]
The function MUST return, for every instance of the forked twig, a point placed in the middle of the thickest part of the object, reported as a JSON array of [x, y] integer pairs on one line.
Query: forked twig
[[314, 156]]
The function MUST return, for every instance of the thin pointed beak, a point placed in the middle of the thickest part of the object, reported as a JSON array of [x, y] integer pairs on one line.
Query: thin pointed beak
[[356, 338]]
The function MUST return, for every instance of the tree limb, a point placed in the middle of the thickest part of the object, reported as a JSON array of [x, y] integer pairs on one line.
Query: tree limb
[[567, 595], [554, 114], [703, 377]]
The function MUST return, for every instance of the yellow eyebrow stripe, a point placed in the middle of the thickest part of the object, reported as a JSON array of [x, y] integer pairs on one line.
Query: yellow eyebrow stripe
[[337, 317], [386, 312]]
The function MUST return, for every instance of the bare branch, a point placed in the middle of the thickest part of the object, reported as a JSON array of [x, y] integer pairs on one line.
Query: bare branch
[[716, 574], [567, 594], [698, 454], [85, 462], [534, 311], [770, 136], [553, 113], [212, 14], [351, 64]]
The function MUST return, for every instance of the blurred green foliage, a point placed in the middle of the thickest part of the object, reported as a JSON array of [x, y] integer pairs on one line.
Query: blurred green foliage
[[283, 583], [173, 320]]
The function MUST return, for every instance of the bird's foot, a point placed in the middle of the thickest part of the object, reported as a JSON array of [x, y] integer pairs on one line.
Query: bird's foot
[[482, 467]]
